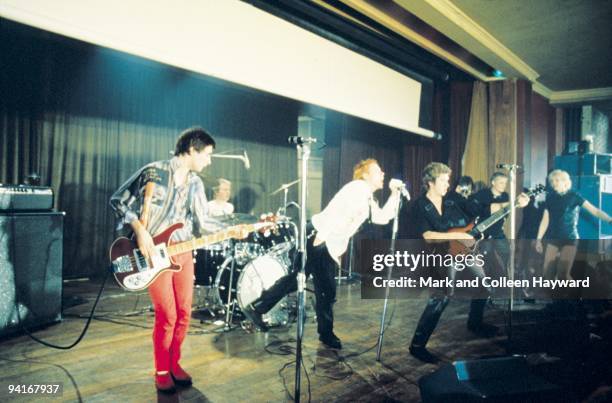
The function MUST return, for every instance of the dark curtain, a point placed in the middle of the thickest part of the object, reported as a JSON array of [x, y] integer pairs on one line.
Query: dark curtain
[[85, 118]]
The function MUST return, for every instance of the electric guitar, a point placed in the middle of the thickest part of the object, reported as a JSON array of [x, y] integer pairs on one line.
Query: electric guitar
[[134, 273], [477, 229]]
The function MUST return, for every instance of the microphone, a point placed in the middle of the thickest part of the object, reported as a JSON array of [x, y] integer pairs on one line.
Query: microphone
[[507, 166], [401, 186], [247, 162], [404, 191], [301, 140]]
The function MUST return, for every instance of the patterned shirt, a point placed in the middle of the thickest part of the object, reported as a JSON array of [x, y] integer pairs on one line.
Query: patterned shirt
[[171, 203]]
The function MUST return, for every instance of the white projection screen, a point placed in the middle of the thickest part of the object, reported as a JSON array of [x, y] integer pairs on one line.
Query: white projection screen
[[235, 41]]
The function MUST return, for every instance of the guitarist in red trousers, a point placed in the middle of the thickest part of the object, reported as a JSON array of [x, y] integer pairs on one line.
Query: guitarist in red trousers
[[158, 195]]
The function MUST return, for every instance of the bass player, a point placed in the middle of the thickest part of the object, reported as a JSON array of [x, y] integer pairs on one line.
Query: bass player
[[158, 195]]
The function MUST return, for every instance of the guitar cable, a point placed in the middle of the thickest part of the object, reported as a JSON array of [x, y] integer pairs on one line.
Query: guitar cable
[[81, 336]]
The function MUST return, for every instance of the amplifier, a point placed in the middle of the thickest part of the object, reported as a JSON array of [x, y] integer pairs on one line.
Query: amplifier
[[586, 164], [598, 190], [25, 198]]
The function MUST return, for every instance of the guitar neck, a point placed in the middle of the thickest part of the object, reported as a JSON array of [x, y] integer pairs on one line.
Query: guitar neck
[[495, 217], [197, 243], [498, 215]]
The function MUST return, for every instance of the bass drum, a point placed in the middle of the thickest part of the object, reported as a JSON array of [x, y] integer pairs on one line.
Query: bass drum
[[221, 287], [257, 276], [208, 261]]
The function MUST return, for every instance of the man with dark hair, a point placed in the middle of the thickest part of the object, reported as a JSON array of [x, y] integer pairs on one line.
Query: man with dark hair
[[158, 195], [459, 198]]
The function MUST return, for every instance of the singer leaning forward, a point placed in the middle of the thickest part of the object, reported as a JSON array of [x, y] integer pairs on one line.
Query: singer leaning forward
[[328, 236]]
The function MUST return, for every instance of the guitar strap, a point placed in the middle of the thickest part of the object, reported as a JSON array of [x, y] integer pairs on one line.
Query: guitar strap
[[146, 204], [152, 177]]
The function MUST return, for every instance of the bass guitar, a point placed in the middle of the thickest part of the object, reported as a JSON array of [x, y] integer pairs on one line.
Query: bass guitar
[[134, 273], [477, 229]]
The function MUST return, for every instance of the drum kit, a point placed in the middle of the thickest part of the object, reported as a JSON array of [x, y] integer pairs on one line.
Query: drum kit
[[236, 272]]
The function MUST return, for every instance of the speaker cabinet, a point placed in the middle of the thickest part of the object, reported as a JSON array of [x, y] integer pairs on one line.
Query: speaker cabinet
[[597, 190], [31, 247], [506, 379]]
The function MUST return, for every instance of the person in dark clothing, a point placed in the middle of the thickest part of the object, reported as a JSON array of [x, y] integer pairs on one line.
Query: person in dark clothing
[[486, 202], [434, 219], [559, 225], [532, 215], [490, 200], [527, 234], [459, 201]]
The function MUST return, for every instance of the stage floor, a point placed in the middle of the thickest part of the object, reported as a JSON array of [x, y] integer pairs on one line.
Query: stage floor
[[114, 360]]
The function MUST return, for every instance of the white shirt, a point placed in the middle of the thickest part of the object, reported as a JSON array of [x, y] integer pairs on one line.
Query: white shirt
[[345, 213], [217, 208]]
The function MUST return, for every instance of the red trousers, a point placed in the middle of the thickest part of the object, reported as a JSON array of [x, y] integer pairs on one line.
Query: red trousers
[[171, 294]]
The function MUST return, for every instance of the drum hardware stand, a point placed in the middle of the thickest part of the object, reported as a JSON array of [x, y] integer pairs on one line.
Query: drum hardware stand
[[206, 307], [381, 333], [303, 147], [285, 189]]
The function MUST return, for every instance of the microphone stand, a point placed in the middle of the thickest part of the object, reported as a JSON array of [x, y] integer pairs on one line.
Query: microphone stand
[[512, 168], [381, 333], [304, 150]]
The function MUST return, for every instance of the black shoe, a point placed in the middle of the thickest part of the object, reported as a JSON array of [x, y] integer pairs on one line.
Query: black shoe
[[255, 317], [422, 354], [483, 330], [331, 340]]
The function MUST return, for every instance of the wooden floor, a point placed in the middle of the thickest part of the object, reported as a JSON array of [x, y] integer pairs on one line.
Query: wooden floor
[[113, 363]]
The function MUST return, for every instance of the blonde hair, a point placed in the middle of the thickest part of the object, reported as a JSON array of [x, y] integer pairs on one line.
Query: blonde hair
[[432, 171], [360, 169], [221, 181], [566, 181]]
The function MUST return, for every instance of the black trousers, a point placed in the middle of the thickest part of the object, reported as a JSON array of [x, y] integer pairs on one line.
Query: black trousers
[[323, 268], [431, 315], [436, 304]]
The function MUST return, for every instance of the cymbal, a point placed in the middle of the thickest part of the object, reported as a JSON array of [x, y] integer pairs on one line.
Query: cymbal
[[237, 218], [284, 186]]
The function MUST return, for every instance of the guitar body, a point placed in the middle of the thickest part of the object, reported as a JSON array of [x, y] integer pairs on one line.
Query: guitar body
[[130, 269], [457, 247], [468, 228]]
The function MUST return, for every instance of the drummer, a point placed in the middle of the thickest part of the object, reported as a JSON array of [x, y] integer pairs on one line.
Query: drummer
[[220, 205]]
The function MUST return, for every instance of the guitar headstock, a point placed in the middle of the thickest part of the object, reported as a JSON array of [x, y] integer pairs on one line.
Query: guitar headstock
[[537, 189]]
